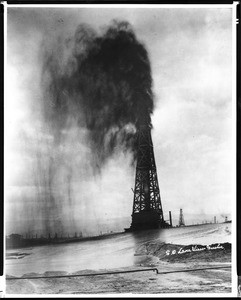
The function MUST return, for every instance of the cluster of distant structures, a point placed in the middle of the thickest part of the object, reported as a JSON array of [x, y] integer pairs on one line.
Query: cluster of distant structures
[[19, 241], [182, 223]]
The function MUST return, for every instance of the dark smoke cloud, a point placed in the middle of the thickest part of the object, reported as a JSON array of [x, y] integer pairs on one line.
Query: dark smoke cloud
[[103, 81]]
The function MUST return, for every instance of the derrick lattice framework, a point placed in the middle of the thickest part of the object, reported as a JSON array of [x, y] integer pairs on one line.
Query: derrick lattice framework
[[181, 219], [147, 208]]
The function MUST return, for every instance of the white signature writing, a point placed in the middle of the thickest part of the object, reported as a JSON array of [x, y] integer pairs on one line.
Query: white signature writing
[[195, 248]]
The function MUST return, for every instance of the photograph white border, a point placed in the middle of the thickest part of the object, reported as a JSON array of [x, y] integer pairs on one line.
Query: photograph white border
[[234, 145]]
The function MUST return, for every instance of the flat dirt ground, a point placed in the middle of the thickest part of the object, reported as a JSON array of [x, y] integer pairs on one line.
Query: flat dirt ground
[[148, 282]]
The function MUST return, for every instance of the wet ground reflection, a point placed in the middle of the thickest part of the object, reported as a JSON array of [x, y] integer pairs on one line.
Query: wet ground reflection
[[117, 251]]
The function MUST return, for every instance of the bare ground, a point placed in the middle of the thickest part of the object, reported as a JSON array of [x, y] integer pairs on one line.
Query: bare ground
[[205, 281], [208, 281]]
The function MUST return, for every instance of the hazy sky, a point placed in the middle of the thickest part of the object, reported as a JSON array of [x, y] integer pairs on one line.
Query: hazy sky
[[190, 50]]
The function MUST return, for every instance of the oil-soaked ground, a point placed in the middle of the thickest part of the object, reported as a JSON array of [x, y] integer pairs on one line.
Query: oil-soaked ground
[[127, 251]]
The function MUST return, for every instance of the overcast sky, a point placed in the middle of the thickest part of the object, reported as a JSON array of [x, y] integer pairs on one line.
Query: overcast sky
[[190, 50]]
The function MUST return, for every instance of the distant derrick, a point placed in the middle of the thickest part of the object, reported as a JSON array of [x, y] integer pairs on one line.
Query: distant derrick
[[181, 219]]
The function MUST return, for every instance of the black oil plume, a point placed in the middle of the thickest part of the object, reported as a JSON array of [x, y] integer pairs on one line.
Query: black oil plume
[[103, 82]]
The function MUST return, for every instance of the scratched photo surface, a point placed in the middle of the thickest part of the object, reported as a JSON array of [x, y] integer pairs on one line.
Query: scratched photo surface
[[118, 150]]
